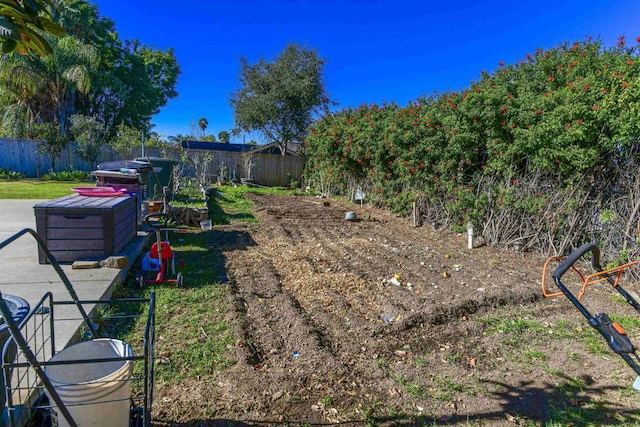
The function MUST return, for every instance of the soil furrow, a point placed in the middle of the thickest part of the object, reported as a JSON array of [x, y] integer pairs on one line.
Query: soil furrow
[[322, 339]]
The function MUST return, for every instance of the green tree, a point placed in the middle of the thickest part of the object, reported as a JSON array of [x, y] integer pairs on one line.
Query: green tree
[[224, 137], [51, 142], [145, 80], [177, 139], [202, 124], [127, 83], [279, 98], [126, 140], [89, 135], [21, 25]]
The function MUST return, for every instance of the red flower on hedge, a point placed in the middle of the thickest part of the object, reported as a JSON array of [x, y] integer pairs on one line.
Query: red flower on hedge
[[629, 62], [538, 112], [625, 85], [503, 108], [550, 78], [621, 40]]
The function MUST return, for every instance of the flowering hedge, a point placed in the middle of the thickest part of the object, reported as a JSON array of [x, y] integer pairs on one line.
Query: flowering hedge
[[518, 144]]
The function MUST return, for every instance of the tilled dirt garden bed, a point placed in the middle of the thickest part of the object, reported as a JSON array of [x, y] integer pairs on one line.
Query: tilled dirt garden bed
[[378, 322]]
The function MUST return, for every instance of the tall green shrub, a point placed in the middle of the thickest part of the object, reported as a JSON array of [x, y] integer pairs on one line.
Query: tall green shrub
[[529, 151]]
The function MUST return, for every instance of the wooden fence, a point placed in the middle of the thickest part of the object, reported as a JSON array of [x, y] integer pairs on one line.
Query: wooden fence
[[265, 169], [22, 156]]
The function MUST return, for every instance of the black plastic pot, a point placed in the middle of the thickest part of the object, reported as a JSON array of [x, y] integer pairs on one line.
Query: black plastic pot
[[19, 308]]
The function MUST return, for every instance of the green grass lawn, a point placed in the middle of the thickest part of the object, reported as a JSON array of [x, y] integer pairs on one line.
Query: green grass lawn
[[231, 206], [38, 189]]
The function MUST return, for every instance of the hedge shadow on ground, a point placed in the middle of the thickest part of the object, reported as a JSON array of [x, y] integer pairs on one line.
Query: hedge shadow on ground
[[208, 263]]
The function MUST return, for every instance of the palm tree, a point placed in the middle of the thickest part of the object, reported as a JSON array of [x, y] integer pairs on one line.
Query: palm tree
[[224, 136], [41, 93], [202, 124], [45, 89]]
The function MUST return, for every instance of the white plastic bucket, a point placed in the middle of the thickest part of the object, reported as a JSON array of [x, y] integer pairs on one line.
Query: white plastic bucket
[[96, 394]]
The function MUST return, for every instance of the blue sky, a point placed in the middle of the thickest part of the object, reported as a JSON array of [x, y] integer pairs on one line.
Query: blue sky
[[375, 50]]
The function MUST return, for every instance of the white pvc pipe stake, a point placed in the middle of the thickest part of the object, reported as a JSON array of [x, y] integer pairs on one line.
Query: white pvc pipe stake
[[470, 235]]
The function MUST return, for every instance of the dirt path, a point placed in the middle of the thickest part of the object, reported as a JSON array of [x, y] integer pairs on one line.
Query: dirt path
[[326, 336]]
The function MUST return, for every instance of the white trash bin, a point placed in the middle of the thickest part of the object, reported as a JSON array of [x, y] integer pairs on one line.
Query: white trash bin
[[96, 394]]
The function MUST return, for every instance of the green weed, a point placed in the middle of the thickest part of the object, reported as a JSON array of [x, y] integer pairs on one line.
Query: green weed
[[594, 341], [531, 355], [572, 355], [411, 387], [446, 389], [421, 361], [553, 371]]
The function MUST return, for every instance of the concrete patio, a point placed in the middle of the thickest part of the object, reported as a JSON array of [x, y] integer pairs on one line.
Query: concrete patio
[[22, 275]]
